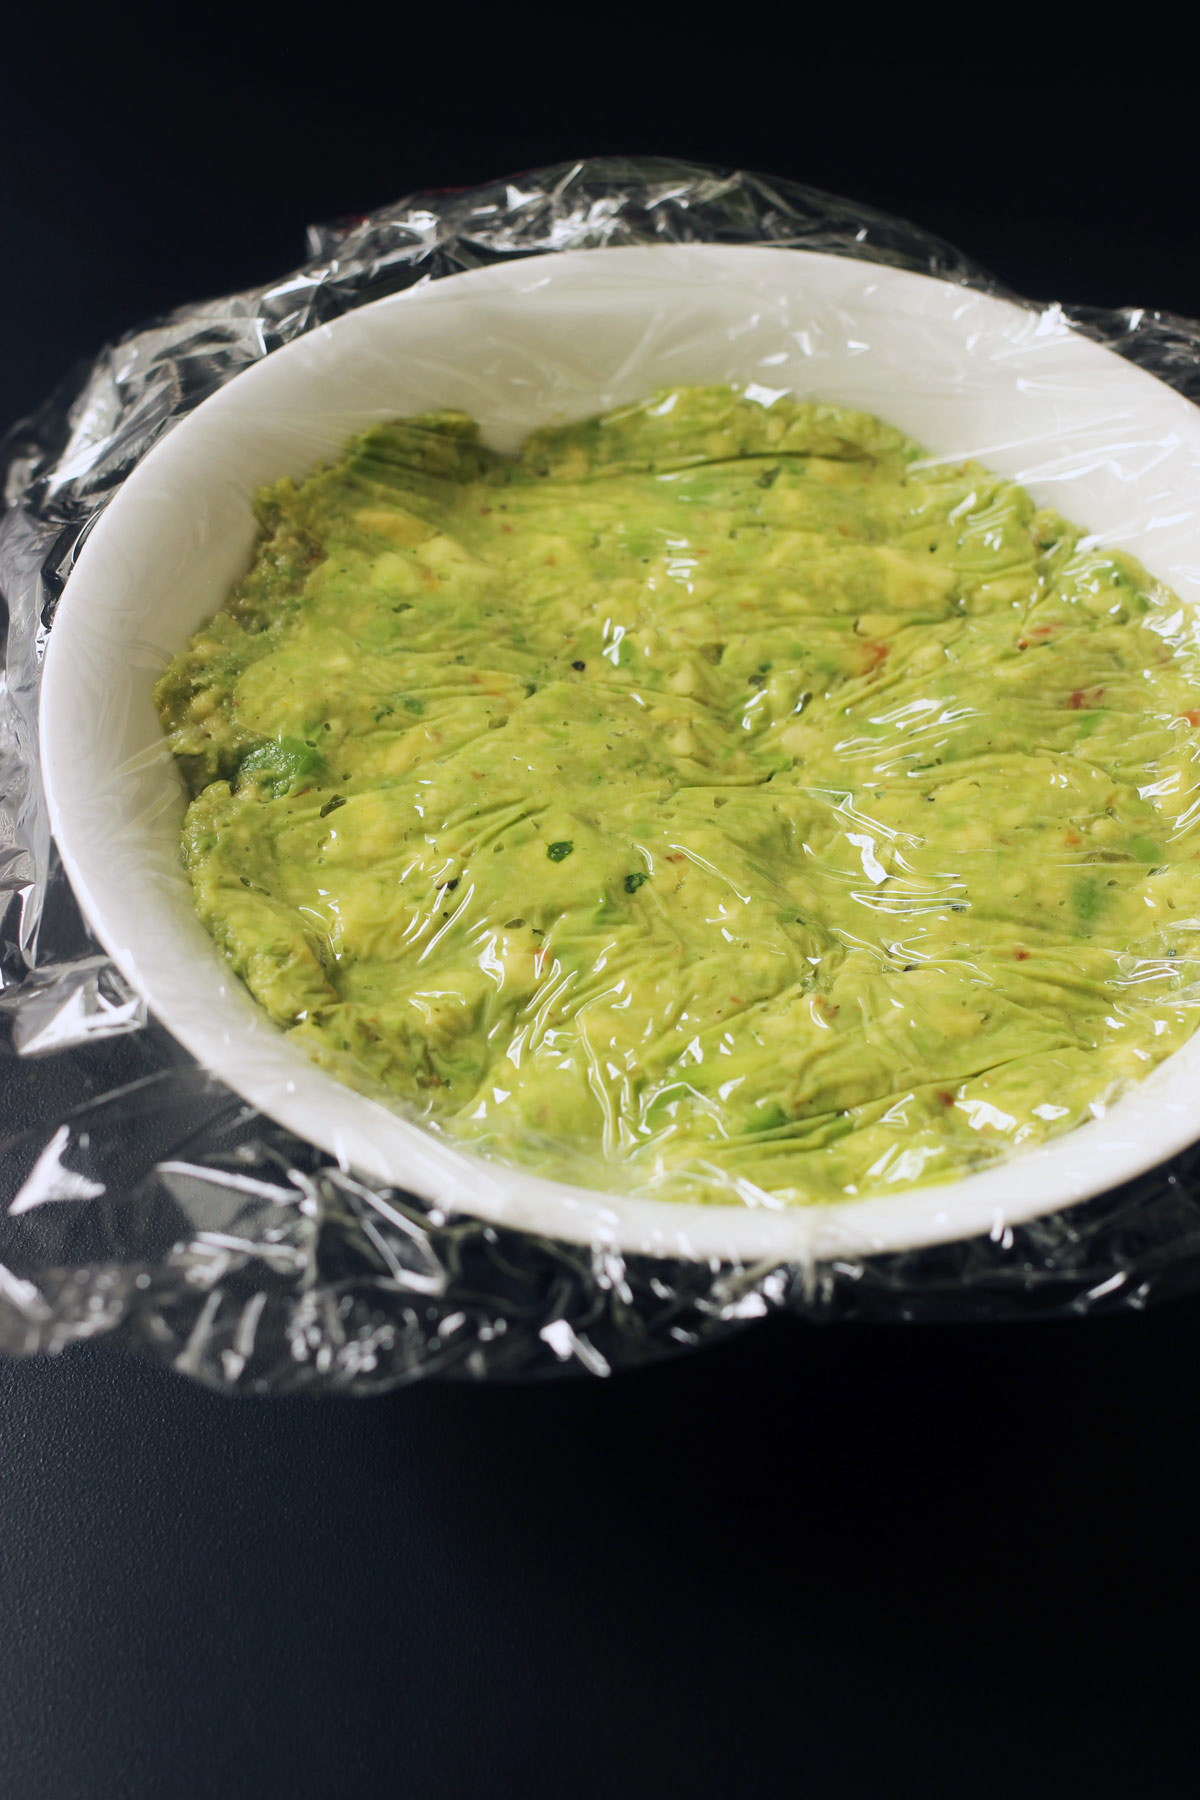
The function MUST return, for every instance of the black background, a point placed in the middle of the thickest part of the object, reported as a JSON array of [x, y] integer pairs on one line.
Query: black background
[[817, 1561]]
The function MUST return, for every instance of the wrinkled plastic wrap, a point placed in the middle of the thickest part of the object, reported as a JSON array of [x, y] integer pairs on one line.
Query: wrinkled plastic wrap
[[143, 1197]]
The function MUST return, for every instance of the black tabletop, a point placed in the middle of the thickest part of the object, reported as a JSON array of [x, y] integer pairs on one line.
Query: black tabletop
[[818, 1560]]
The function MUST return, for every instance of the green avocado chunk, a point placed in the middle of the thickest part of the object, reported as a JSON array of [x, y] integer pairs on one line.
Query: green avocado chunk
[[714, 800]]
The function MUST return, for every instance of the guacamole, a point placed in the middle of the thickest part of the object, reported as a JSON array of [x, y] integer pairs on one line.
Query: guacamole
[[719, 798]]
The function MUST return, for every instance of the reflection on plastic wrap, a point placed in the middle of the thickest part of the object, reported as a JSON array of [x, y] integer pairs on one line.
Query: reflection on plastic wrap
[[62, 1005], [144, 1198]]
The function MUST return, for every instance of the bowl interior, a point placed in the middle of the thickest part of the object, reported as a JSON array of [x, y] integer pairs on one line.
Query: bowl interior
[[519, 346]]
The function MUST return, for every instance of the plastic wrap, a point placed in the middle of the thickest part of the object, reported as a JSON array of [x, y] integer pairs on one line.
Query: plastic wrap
[[144, 1197]]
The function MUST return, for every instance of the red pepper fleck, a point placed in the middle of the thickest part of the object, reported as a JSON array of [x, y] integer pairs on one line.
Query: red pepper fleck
[[1073, 838], [945, 1096], [485, 509], [1193, 717], [1021, 955], [1076, 700], [876, 653]]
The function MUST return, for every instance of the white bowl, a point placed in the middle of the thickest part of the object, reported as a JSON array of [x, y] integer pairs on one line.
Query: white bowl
[[519, 345]]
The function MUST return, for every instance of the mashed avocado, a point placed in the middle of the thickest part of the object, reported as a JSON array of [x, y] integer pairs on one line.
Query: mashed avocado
[[715, 797]]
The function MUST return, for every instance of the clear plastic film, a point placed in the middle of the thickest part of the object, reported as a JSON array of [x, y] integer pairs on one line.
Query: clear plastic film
[[212, 1203]]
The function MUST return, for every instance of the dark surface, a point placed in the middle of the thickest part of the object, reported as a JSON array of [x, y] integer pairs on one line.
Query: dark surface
[[937, 1563], [951, 1562]]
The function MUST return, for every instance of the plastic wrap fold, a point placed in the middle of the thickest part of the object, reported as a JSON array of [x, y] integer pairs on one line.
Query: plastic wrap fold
[[142, 1197]]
